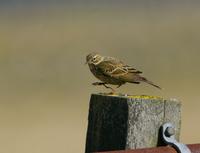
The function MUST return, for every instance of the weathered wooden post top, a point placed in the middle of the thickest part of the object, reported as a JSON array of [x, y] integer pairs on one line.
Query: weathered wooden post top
[[120, 122]]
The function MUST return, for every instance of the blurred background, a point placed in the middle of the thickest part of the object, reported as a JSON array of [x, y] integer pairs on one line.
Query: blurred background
[[45, 87]]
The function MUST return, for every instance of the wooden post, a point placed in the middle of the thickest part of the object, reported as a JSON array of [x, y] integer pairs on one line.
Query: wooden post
[[129, 122]]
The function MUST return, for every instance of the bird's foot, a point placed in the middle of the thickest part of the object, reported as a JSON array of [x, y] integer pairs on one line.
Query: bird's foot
[[119, 85], [98, 83], [104, 84], [112, 92], [109, 93]]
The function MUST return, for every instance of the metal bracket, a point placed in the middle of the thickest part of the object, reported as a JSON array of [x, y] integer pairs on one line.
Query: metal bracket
[[168, 134]]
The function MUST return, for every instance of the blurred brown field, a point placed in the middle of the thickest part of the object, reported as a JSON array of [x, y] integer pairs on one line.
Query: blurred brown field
[[45, 86]]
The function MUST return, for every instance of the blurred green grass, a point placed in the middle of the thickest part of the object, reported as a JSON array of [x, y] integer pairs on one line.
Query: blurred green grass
[[45, 86]]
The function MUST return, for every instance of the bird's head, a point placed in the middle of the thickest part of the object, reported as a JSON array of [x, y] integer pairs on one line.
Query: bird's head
[[93, 58]]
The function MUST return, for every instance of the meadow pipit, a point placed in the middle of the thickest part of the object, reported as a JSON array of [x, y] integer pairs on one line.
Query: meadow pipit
[[113, 71]]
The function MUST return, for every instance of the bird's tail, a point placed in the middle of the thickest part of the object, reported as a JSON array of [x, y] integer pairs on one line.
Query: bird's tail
[[149, 82]]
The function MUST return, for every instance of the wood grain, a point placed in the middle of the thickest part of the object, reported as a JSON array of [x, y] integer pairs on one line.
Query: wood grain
[[129, 122]]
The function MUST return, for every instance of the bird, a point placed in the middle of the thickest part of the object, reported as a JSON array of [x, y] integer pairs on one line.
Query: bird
[[112, 71]]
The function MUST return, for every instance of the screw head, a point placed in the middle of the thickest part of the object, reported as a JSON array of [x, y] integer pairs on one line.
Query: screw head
[[169, 131]]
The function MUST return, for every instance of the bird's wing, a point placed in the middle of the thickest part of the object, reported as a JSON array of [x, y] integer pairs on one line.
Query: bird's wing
[[116, 68]]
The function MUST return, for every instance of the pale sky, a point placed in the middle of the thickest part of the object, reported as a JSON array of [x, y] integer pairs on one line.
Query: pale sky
[[99, 2]]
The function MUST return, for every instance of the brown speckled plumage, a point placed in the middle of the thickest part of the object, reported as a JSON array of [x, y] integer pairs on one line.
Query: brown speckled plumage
[[113, 71]]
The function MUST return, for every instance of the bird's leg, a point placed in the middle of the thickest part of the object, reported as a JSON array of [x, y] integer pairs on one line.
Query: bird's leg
[[113, 91], [104, 84], [119, 85], [98, 83]]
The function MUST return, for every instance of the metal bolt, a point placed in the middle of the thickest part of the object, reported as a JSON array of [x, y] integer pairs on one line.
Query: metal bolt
[[169, 131]]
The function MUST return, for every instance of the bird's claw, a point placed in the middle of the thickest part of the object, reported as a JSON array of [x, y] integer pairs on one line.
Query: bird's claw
[[104, 84], [97, 83]]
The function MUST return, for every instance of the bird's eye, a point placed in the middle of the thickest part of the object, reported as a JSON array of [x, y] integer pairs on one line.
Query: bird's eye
[[94, 58]]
